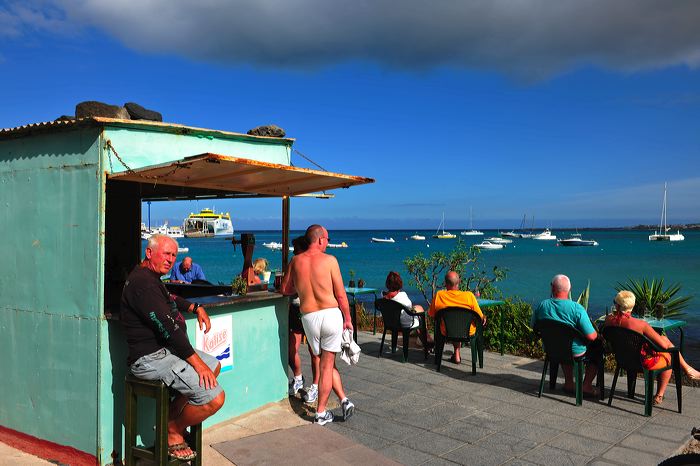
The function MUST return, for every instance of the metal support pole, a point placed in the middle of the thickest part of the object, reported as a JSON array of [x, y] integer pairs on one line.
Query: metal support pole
[[285, 232]]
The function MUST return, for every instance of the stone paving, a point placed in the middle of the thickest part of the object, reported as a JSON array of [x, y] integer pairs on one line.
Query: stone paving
[[415, 415]]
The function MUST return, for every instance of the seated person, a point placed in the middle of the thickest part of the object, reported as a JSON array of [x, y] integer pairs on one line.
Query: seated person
[[453, 296], [622, 317], [259, 266], [186, 272], [394, 285], [560, 308]]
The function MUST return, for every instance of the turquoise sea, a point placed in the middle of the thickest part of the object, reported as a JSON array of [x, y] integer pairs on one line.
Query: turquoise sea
[[531, 264]]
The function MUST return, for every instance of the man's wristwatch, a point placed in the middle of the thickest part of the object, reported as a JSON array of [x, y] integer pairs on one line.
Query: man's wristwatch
[[194, 309]]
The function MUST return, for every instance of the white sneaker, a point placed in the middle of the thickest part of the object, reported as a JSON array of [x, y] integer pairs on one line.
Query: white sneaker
[[295, 385], [325, 419], [348, 409], [311, 394]]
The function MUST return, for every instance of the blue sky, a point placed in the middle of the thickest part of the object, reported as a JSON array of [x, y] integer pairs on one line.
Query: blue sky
[[551, 111]]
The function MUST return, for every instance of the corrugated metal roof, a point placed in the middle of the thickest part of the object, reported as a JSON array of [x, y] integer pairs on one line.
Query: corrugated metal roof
[[138, 124], [222, 173]]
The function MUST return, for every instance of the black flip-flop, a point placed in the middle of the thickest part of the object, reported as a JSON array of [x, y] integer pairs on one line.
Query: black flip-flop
[[453, 360]]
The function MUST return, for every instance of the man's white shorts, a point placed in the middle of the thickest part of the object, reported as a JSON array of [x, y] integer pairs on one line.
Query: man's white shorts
[[324, 329]]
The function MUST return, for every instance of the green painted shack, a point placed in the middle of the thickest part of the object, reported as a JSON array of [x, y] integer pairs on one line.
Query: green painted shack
[[72, 193]]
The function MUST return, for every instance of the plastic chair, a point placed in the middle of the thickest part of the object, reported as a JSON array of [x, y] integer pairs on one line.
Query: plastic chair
[[557, 338], [627, 344], [457, 322], [391, 315]]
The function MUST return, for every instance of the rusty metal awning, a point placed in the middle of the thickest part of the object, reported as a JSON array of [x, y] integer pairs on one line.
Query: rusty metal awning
[[223, 173]]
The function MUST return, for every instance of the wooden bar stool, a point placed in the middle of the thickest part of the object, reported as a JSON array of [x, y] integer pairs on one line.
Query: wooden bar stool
[[157, 390]]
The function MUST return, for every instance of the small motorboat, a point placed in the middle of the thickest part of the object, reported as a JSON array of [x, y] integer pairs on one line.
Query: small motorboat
[[546, 235], [338, 245], [275, 246], [417, 237], [497, 240], [576, 240], [488, 245], [383, 240], [183, 250]]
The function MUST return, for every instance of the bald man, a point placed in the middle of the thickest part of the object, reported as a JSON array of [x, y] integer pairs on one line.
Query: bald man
[[315, 277], [562, 309], [452, 296], [186, 272]]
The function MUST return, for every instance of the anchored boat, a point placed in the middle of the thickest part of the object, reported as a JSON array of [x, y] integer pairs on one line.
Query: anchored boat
[[662, 234]]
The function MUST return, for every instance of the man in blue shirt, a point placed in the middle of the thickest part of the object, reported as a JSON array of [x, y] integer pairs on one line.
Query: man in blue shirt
[[562, 309], [186, 272]]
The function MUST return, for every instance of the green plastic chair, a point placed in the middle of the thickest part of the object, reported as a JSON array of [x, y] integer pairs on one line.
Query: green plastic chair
[[627, 344], [557, 338], [457, 321], [391, 316]]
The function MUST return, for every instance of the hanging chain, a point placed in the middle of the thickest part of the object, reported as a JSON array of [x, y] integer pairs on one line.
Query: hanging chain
[[110, 147]]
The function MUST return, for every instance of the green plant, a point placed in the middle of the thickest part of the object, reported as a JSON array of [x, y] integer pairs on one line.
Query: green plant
[[518, 337], [239, 286], [426, 273], [585, 294], [650, 294]]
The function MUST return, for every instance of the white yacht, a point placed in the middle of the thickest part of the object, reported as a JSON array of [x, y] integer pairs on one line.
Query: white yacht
[[576, 240], [546, 235], [662, 233], [338, 245], [417, 237], [471, 231], [497, 240], [440, 233], [383, 240], [488, 245]]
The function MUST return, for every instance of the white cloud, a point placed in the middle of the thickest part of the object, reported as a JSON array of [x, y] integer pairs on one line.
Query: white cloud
[[530, 39]]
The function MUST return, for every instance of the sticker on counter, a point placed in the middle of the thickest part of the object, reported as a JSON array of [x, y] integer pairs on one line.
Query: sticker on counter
[[218, 342]]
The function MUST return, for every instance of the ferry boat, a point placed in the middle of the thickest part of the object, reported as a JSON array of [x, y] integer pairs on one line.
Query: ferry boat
[[207, 223]]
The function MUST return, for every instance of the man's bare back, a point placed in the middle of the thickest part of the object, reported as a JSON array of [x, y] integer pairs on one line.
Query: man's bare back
[[315, 277], [312, 273]]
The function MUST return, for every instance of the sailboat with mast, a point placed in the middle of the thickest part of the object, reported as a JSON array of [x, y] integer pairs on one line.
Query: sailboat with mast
[[441, 233], [662, 233], [471, 231], [512, 233]]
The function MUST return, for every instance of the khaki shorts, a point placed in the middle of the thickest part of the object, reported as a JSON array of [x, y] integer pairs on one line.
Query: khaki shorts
[[324, 329]]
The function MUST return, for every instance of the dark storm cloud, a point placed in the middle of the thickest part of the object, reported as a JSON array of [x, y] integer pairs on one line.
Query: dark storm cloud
[[530, 39]]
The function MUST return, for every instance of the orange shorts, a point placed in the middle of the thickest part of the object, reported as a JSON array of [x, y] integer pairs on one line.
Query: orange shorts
[[664, 360]]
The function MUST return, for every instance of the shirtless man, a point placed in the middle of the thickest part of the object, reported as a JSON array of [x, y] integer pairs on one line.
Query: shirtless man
[[315, 277]]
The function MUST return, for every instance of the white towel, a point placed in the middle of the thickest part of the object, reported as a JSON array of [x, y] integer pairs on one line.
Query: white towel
[[350, 351]]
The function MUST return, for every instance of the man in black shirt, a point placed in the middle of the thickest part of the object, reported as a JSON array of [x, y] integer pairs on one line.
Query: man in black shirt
[[159, 349]]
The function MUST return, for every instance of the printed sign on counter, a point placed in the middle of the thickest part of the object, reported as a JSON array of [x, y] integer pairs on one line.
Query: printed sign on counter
[[218, 342]]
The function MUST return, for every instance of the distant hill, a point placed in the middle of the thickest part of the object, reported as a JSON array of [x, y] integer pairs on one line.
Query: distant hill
[[689, 226]]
